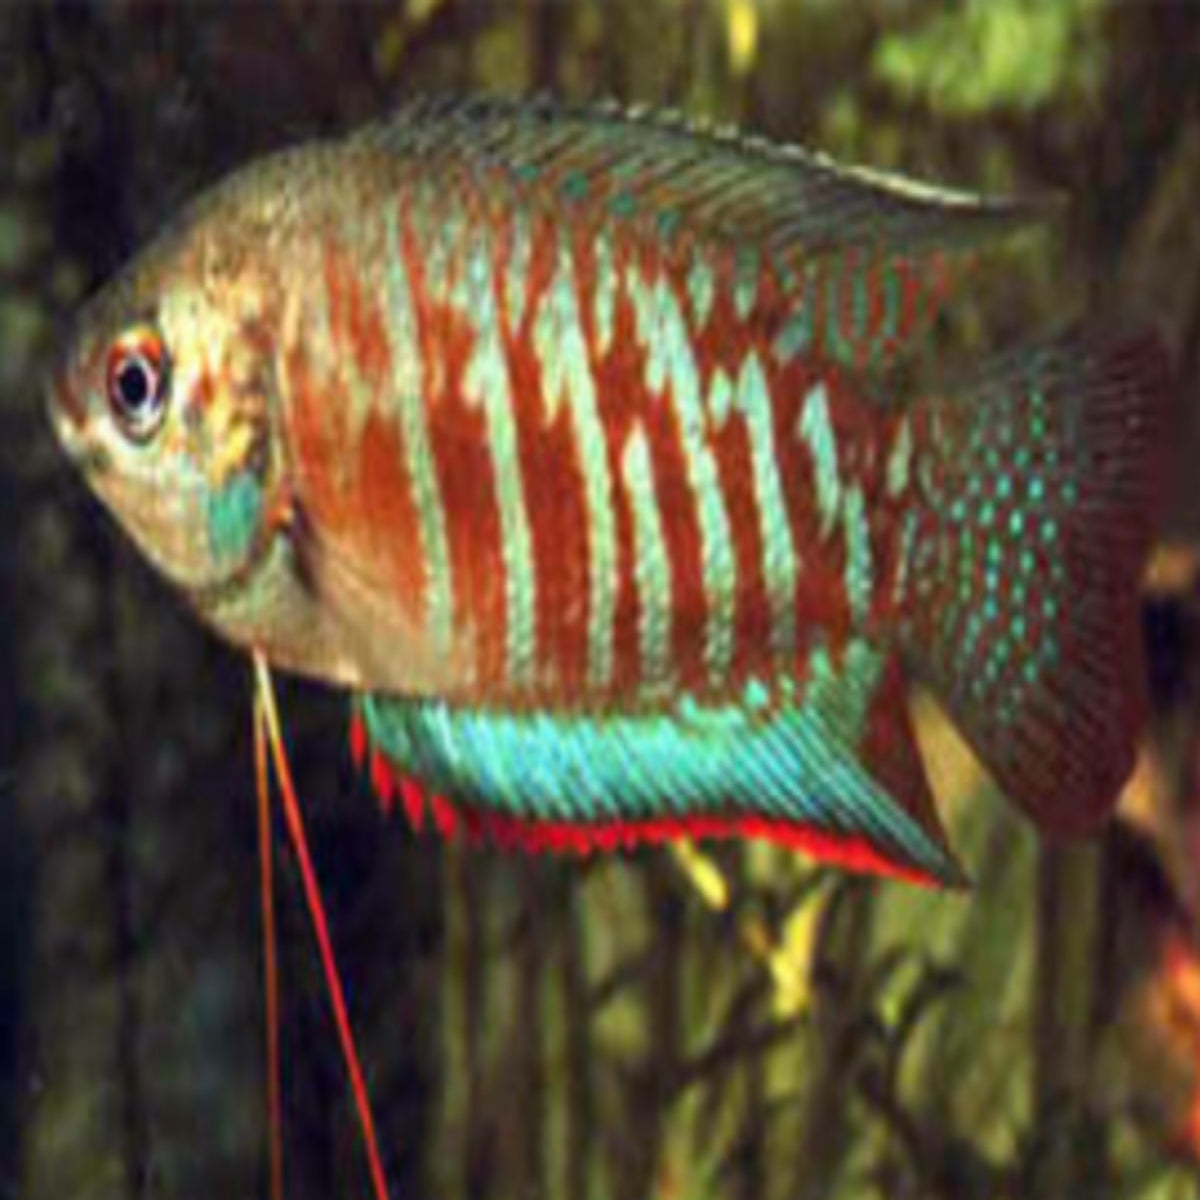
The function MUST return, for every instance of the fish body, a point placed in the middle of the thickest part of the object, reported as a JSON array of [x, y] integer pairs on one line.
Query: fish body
[[570, 442]]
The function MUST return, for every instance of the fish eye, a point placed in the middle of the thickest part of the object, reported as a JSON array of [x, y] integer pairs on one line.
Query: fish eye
[[137, 382]]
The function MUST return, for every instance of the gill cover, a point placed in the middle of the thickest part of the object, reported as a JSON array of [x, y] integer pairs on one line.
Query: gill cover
[[164, 400]]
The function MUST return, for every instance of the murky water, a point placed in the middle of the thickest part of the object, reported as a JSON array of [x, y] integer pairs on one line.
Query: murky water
[[734, 1023]]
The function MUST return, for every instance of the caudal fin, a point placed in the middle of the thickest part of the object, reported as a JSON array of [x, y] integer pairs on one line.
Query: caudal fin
[[1039, 487]]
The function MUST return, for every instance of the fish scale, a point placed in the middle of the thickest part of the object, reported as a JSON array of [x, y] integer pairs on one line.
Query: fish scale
[[565, 361], [571, 441]]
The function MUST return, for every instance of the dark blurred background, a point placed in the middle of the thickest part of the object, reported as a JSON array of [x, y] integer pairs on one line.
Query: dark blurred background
[[734, 1023]]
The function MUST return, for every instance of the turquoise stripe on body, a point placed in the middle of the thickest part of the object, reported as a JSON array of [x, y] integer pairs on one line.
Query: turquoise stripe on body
[[606, 295], [420, 466], [720, 397], [440, 231], [671, 366], [558, 341], [780, 563], [859, 567], [796, 335], [701, 288], [486, 383], [816, 430], [835, 282], [900, 459], [908, 535], [747, 269], [861, 303], [358, 396], [516, 277], [890, 321], [652, 572]]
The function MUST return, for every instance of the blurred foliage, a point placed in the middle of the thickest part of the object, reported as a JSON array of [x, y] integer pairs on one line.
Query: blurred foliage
[[726, 1022], [988, 56]]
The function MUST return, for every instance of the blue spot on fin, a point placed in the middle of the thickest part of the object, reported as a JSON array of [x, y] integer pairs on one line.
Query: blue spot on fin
[[1024, 608]]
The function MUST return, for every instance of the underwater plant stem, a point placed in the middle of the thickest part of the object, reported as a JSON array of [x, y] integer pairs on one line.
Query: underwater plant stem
[[316, 910], [1067, 1149], [759, 940], [270, 959]]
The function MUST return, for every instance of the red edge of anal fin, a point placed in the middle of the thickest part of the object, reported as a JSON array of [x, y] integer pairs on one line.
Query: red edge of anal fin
[[506, 832], [854, 854]]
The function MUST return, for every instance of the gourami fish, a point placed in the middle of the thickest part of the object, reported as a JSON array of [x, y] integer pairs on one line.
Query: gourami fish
[[573, 443]]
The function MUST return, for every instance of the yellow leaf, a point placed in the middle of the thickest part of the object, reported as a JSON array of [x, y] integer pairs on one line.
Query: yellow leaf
[[741, 31], [703, 874]]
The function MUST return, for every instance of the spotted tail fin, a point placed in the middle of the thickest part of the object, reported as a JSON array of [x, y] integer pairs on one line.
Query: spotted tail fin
[[1039, 483]]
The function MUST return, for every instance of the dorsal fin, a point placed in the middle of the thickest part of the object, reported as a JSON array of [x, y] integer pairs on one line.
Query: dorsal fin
[[665, 168]]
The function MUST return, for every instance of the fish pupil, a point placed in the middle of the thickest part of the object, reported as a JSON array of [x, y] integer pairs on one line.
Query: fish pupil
[[133, 386]]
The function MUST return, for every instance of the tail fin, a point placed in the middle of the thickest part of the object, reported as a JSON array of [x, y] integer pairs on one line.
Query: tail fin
[[1039, 485]]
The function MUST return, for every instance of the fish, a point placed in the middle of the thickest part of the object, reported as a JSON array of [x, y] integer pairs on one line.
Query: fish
[[575, 444]]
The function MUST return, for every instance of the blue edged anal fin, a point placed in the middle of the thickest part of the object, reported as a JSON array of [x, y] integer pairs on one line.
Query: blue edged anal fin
[[833, 770]]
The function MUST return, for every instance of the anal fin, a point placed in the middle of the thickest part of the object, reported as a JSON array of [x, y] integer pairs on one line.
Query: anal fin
[[831, 769]]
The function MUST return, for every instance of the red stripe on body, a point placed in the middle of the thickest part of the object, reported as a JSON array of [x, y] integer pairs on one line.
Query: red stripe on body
[[387, 513], [813, 292], [888, 514], [674, 497], [357, 322], [317, 433], [361, 491], [925, 284], [458, 442], [822, 606], [752, 614], [628, 669], [873, 325], [555, 502], [458, 438], [845, 265], [681, 533], [335, 271], [939, 280], [367, 336], [725, 342], [620, 391]]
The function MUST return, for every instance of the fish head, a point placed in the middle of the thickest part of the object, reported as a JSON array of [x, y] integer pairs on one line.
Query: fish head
[[165, 397]]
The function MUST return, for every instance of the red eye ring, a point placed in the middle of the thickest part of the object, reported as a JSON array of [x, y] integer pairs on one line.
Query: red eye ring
[[137, 381]]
